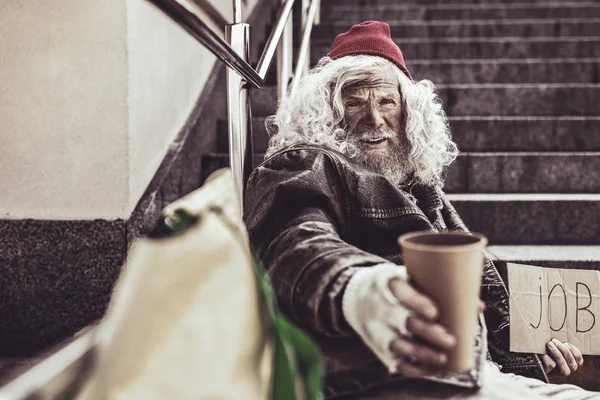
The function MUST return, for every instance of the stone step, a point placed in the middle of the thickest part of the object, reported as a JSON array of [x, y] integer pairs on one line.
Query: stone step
[[348, 14], [259, 133], [566, 219], [550, 219], [520, 99], [495, 134], [535, 70], [499, 172], [488, 48], [524, 173], [518, 133], [516, 70], [491, 99], [473, 28], [578, 257]]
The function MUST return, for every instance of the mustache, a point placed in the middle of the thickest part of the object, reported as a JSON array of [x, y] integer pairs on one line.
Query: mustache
[[383, 133]]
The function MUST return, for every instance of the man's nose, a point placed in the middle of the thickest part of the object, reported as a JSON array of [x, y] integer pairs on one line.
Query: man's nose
[[373, 118]]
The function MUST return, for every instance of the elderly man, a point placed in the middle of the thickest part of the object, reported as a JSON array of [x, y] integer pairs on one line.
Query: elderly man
[[355, 160]]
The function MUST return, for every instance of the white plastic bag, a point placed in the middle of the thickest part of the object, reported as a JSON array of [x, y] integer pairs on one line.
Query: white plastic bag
[[186, 319]]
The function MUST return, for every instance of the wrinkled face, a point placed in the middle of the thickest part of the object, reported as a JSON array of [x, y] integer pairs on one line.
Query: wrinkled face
[[374, 120]]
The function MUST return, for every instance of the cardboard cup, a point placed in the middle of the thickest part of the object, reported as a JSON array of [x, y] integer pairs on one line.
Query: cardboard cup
[[447, 267]]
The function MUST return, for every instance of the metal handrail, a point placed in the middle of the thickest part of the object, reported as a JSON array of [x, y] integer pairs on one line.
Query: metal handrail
[[64, 370], [239, 120], [182, 12], [264, 63], [237, 58]]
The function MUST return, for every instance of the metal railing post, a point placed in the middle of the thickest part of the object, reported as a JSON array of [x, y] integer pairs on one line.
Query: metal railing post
[[305, 7], [303, 62], [239, 115], [284, 59], [237, 11]]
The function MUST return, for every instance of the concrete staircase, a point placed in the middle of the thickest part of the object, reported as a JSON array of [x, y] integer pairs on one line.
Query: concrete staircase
[[520, 81]]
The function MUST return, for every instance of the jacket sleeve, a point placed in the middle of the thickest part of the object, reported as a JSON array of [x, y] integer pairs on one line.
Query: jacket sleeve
[[297, 221]]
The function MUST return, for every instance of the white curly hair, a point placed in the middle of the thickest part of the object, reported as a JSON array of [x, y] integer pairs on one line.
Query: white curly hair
[[315, 113]]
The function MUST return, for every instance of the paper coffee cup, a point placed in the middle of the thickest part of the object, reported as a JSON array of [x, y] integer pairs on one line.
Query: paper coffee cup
[[447, 267]]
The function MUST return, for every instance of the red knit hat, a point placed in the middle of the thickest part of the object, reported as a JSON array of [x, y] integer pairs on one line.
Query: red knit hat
[[369, 37]]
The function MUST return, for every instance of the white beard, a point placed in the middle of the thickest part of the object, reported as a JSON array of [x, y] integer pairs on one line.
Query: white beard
[[391, 161], [393, 166]]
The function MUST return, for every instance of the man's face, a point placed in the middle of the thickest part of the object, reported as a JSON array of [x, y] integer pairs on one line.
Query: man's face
[[374, 120]]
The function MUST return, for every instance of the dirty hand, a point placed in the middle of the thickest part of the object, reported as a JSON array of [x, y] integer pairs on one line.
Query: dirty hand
[[563, 358], [424, 350], [396, 321]]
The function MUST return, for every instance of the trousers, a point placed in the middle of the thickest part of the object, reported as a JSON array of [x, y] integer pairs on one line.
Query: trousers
[[496, 386]]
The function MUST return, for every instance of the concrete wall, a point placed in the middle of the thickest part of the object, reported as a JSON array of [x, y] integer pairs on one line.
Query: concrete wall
[[63, 109], [91, 96]]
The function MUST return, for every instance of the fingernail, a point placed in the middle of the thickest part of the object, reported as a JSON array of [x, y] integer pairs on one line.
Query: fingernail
[[432, 313], [556, 341], [450, 339], [551, 345]]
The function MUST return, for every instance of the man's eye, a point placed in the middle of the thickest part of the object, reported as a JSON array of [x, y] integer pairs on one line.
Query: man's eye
[[352, 104], [388, 101]]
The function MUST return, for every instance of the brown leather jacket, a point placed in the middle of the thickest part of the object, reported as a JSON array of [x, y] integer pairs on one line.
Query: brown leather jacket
[[314, 216]]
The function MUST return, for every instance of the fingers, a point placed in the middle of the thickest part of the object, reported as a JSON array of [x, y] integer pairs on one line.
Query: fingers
[[566, 352], [429, 332], [425, 360], [561, 354], [414, 371], [548, 363], [558, 357], [576, 354], [410, 298]]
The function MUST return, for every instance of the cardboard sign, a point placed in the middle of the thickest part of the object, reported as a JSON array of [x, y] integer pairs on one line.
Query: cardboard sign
[[547, 303]]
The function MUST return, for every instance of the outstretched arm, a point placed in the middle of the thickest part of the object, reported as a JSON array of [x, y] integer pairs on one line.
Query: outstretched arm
[[297, 224], [296, 219]]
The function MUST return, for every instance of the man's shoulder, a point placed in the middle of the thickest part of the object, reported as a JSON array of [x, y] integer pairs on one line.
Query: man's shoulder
[[305, 156], [292, 174]]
